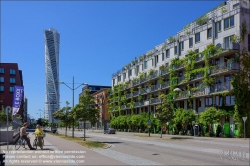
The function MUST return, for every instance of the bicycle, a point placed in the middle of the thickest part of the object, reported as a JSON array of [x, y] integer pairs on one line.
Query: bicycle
[[36, 142], [20, 142]]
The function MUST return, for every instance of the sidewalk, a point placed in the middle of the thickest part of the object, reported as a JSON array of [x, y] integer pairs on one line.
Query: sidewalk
[[58, 151]]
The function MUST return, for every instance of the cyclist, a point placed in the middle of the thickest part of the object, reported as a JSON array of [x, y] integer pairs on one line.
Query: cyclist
[[39, 132], [24, 135]]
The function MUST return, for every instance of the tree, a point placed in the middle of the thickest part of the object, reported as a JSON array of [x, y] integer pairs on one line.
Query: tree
[[42, 122], [241, 82], [64, 115], [86, 109], [165, 112]]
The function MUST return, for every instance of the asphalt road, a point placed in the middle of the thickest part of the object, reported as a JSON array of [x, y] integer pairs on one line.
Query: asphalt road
[[132, 149]]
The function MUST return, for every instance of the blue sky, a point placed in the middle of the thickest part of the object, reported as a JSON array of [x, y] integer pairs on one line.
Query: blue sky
[[97, 38]]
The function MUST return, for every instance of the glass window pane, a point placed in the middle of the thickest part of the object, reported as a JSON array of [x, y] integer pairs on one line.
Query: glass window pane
[[231, 21]]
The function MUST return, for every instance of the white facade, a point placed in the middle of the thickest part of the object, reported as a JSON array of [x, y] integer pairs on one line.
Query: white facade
[[52, 97]]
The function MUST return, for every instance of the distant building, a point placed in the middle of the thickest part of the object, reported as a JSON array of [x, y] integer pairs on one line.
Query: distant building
[[93, 88], [10, 76], [52, 98], [101, 100]]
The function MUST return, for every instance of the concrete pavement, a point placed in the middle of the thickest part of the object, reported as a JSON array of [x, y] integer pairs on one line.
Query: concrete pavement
[[57, 151]]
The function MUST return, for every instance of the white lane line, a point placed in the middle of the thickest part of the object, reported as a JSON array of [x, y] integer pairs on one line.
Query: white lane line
[[126, 158]]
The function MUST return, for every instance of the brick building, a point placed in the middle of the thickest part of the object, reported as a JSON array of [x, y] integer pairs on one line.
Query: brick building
[[10, 76]]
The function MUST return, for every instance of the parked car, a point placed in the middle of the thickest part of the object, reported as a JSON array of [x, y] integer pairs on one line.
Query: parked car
[[109, 131]]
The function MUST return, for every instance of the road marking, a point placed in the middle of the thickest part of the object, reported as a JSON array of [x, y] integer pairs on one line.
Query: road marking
[[126, 158]]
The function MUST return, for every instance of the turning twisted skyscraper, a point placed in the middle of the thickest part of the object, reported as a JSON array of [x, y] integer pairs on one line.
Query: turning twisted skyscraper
[[52, 41]]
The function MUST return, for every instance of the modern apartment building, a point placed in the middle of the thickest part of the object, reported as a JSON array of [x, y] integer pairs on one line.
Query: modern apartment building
[[10, 75], [101, 100], [52, 97], [155, 71]]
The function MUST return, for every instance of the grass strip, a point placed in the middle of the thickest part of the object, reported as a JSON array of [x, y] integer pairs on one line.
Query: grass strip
[[88, 143]]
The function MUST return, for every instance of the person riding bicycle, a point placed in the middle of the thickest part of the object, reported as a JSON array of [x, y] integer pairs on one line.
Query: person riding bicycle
[[24, 135], [39, 132]]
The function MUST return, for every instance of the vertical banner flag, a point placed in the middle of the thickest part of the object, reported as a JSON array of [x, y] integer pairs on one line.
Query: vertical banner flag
[[17, 99]]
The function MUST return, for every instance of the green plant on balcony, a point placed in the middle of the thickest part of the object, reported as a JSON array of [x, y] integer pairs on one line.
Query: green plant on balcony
[[131, 90], [134, 79], [223, 10], [187, 26], [150, 54], [202, 20], [140, 98], [162, 67], [151, 72], [141, 75], [141, 58], [187, 32], [161, 80], [171, 39], [151, 97]]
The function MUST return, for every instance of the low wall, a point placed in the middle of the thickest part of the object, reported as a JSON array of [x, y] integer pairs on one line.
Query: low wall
[[12, 136]]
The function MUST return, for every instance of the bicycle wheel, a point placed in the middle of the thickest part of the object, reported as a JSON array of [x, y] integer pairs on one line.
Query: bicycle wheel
[[35, 144], [23, 143], [43, 142], [18, 144]]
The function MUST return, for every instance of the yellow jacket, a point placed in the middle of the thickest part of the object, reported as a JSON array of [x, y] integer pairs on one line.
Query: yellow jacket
[[39, 132]]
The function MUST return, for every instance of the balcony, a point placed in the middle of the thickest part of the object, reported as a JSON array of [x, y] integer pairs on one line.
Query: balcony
[[197, 76], [129, 95], [200, 92], [219, 87], [143, 80], [182, 95], [200, 58], [135, 83], [155, 101], [231, 46], [180, 79], [155, 87], [153, 76], [167, 84], [136, 93], [163, 72], [138, 104], [225, 67]]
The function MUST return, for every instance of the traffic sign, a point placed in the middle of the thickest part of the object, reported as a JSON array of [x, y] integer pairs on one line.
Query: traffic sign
[[149, 122], [149, 126], [7, 110], [244, 118]]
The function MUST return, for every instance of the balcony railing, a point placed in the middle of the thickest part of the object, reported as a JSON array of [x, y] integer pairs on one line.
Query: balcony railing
[[167, 84], [155, 101], [181, 78], [123, 107], [200, 92], [221, 87], [134, 83], [155, 87], [143, 80], [230, 46], [224, 67], [153, 75], [129, 95], [136, 93], [138, 104], [200, 58], [197, 76], [163, 72], [181, 95]]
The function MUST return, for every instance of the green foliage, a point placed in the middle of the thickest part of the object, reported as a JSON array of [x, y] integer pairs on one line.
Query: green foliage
[[183, 116], [151, 72], [86, 109], [165, 111], [202, 20], [3, 116], [171, 39], [141, 75], [150, 54]]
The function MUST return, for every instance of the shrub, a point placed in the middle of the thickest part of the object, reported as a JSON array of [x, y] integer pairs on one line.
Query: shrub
[[146, 131], [207, 134], [129, 130], [125, 130]]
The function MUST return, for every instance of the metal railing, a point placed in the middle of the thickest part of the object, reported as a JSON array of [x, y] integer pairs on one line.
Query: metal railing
[[224, 67], [197, 76], [200, 58], [155, 101], [221, 87], [136, 93], [182, 95], [167, 84]]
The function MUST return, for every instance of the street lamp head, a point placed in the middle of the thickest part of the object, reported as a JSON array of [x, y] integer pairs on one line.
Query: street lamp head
[[177, 90], [61, 82], [84, 84]]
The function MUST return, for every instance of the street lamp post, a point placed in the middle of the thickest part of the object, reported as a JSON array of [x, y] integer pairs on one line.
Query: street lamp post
[[73, 90]]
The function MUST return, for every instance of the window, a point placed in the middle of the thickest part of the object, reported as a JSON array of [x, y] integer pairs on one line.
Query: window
[[12, 72], [167, 53], [229, 100], [229, 22], [197, 84], [227, 41], [1, 79], [218, 100], [209, 33], [11, 89], [12, 80], [1, 70], [156, 60], [181, 104], [182, 45], [167, 64], [197, 50], [137, 70], [1, 88], [119, 78], [197, 37], [162, 56], [191, 42], [113, 83], [175, 50], [236, 5], [217, 61], [130, 72], [208, 102], [145, 64], [217, 28]]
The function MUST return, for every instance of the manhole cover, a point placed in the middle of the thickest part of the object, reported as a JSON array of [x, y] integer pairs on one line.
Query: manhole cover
[[155, 154]]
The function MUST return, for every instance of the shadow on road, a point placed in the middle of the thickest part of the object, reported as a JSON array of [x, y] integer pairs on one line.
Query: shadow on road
[[110, 142]]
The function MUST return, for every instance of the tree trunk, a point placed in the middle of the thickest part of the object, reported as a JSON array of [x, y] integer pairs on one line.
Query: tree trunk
[[66, 131], [161, 131], [84, 131]]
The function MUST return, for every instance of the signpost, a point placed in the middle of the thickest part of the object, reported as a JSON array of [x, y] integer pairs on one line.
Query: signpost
[[244, 119], [7, 111], [149, 124]]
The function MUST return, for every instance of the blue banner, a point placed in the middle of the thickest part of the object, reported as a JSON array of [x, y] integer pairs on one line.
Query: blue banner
[[17, 99]]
